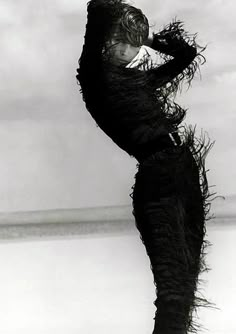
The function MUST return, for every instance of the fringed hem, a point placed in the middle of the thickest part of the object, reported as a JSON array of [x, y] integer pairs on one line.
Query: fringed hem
[[200, 147]]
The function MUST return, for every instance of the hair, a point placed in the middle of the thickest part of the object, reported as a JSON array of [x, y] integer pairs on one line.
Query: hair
[[132, 26], [106, 16]]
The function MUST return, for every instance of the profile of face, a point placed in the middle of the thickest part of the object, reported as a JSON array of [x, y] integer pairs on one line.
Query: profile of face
[[126, 36], [122, 53]]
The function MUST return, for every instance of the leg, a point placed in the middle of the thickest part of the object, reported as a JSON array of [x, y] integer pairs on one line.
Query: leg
[[161, 226], [169, 209]]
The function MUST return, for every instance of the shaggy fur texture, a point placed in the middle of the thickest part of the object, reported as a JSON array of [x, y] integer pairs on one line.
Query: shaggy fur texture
[[170, 195]]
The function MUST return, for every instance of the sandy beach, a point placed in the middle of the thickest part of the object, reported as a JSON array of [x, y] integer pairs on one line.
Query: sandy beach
[[70, 277]]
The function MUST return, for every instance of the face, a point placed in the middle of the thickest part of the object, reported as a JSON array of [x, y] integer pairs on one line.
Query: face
[[121, 53]]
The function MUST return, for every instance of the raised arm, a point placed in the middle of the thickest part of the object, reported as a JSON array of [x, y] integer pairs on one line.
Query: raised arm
[[172, 41]]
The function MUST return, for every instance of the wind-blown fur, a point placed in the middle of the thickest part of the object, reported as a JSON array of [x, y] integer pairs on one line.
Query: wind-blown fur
[[171, 204], [171, 194]]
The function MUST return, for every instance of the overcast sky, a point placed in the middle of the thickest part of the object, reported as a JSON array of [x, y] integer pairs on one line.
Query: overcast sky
[[52, 154]]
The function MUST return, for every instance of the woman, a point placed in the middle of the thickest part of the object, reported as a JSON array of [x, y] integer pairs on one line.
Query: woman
[[131, 99]]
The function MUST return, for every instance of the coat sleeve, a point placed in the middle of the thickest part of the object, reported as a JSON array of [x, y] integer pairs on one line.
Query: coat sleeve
[[180, 54]]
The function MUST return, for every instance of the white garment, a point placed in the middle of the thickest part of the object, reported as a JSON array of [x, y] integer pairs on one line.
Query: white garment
[[147, 55]]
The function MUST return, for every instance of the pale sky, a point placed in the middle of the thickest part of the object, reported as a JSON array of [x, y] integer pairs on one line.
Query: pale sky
[[53, 155]]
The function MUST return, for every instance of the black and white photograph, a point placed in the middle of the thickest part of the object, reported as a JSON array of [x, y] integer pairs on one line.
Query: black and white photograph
[[117, 178]]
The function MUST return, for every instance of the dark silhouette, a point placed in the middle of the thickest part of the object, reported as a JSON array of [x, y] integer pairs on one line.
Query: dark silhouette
[[135, 107]]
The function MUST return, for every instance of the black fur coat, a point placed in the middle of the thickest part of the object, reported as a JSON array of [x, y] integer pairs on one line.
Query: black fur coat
[[134, 108]]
